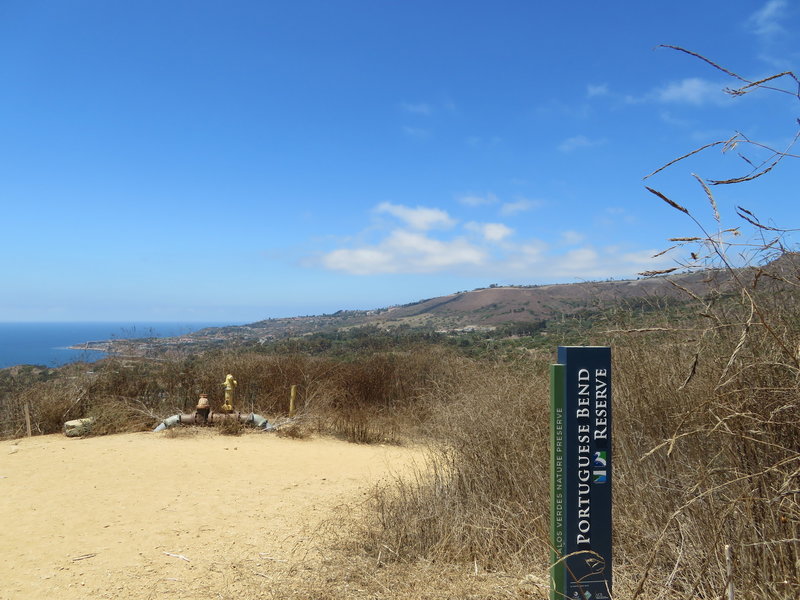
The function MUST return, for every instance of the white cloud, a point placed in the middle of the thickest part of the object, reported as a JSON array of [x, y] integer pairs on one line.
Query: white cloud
[[615, 215], [572, 238], [478, 142], [416, 132], [559, 109], [405, 252], [644, 259], [599, 263], [474, 200], [491, 232], [581, 259], [597, 90], [419, 108], [518, 206], [578, 141], [671, 119], [496, 232], [422, 244], [359, 261], [692, 90], [420, 218], [536, 261], [766, 21], [534, 250]]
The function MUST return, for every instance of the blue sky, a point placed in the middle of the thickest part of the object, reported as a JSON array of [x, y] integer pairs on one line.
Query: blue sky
[[232, 161]]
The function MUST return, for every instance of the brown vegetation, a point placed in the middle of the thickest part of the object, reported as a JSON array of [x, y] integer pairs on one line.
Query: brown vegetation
[[369, 398]]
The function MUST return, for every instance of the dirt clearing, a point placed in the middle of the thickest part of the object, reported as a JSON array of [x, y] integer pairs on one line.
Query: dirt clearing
[[172, 516]]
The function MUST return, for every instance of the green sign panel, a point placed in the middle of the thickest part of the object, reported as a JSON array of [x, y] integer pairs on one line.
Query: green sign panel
[[580, 476]]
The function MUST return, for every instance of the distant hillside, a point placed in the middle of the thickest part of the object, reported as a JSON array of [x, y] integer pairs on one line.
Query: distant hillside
[[480, 309], [477, 309]]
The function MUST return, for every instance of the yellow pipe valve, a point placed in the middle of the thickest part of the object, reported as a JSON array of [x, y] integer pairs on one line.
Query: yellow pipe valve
[[230, 385]]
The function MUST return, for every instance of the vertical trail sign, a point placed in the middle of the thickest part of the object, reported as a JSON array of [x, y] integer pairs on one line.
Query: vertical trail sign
[[580, 473]]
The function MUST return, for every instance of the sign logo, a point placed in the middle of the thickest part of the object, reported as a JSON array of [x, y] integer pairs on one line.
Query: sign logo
[[599, 466]]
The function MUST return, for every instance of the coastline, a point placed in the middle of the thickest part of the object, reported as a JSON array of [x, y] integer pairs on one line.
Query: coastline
[[104, 346], [54, 344]]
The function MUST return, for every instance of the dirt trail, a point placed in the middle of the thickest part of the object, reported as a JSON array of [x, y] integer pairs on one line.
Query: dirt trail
[[155, 516]]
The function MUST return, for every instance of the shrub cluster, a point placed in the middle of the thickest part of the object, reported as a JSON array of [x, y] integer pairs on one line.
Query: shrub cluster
[[372, 396]]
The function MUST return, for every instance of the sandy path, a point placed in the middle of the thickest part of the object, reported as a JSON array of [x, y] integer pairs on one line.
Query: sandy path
[[96, 517]]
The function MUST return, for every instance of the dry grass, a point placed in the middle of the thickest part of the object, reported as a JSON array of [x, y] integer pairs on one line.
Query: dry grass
[[479, 497], [356, 577], [362, 577]]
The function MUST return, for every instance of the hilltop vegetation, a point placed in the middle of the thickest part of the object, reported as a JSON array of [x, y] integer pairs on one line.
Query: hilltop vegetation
[[488, 312]]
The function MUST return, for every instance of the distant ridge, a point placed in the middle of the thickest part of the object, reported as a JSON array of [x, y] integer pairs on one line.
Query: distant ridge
[[483, 308], [480, 309]]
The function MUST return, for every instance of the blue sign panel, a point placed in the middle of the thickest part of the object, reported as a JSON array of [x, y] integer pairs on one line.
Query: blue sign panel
[[582, 569]]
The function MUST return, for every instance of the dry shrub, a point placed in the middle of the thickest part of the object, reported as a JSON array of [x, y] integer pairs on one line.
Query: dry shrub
[[295, 431], [264, 380], [50, 404], [230, 427], [369, 398], [114, 415], [482, 497], [379, 398]]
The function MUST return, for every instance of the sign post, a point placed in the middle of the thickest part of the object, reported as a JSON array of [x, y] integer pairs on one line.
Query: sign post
[[580, 475]]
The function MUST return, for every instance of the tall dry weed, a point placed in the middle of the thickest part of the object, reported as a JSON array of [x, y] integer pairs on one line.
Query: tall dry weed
[[715, 400], [482, 496]]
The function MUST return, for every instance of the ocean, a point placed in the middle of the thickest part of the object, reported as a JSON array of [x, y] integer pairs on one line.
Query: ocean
[[47, 343]]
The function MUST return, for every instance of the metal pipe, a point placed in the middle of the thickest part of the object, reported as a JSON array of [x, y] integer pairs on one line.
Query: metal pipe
[[213, 418], [168, 422], [188, 419]]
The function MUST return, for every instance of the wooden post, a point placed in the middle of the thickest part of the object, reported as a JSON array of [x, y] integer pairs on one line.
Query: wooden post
[[27, 411], [292, 396], [729, 570]]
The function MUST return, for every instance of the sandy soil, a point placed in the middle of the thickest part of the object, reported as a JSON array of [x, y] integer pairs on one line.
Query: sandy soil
[[160, 516]]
